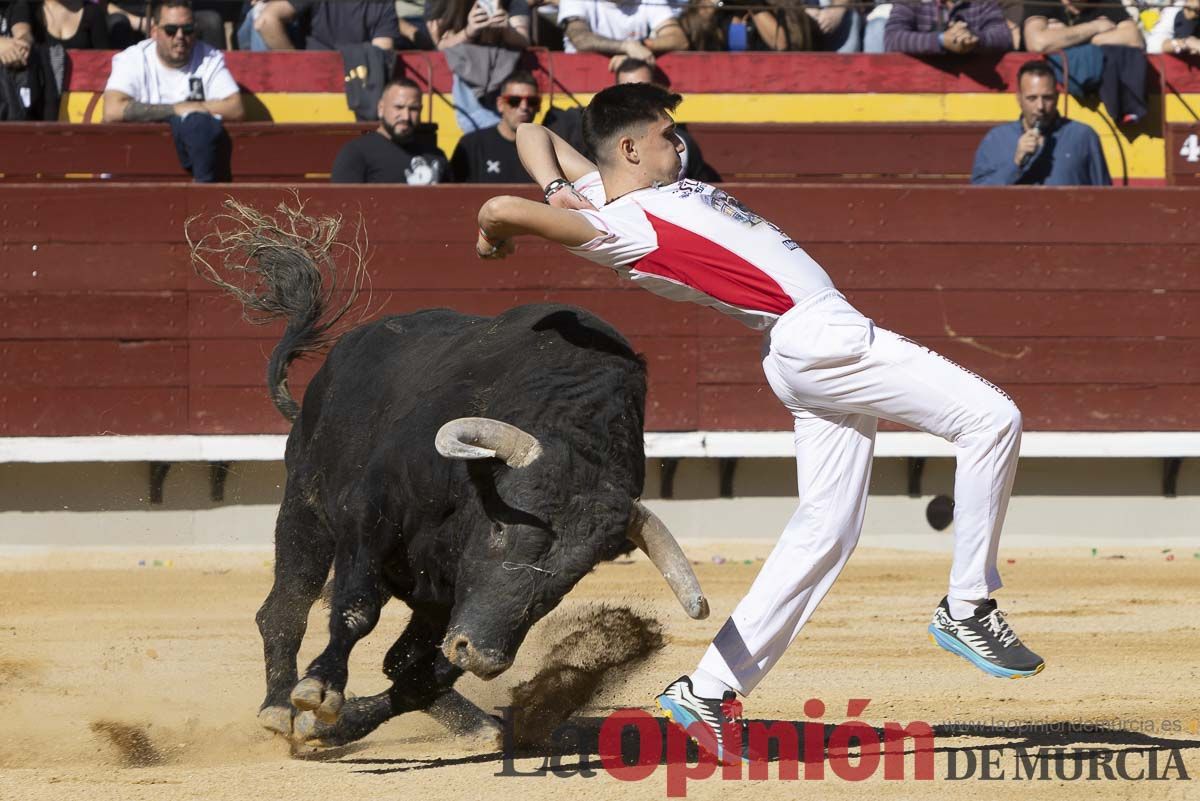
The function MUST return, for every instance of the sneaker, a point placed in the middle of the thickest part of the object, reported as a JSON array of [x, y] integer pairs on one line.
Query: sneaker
[[986, 640], [683, 707]]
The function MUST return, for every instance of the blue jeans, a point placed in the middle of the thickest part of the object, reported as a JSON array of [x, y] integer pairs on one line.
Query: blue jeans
[[202, 145], [468, 111]]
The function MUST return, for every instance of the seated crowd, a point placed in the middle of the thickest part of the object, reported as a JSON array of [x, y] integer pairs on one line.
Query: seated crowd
[[641, 29], [171, 69]]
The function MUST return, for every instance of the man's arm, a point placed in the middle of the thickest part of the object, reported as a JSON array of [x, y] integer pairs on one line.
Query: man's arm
[[504, 217], [271, 24], [993, 32], [901, 34], [1126, 34], [229, 108], [585, 40], [546, 156], [1097, 165], [994, 164], [120, 107], [667, 37], [1040, 37]]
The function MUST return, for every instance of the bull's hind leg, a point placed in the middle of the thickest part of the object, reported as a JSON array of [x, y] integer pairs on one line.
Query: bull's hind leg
[[303, 555], [358, 597]]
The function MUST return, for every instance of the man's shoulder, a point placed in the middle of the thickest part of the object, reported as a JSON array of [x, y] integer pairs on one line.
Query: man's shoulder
[[1004, 128], [1079, 130], [134, 54]]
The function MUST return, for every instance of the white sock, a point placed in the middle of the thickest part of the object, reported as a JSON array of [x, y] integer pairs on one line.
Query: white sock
[[963, 609], [706, 685]]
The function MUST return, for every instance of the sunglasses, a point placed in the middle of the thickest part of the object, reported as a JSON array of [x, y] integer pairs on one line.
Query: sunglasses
[[534, 101], [170, 30]]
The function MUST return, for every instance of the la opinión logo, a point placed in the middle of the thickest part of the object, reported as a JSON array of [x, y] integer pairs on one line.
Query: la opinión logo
[[631, 746]]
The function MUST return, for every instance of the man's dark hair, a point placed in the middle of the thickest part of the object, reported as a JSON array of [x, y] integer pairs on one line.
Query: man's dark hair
[[402, 83], [616, 109], [1035, 67], [520, 78], [156, 9]]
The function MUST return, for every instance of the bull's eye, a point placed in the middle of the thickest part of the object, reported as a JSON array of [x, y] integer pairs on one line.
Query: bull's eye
[[496, 541]]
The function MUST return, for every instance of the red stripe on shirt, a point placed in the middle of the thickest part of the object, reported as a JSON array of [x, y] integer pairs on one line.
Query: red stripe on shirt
[[690, 259]]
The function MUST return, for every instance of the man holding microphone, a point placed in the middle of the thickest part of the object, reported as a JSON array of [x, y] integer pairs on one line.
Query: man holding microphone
[[1041, 147]]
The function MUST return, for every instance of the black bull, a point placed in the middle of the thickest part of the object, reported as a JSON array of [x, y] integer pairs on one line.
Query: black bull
[[476, 468]]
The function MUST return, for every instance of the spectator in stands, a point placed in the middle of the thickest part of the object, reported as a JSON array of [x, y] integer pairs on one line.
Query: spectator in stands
[[73, 24], [839, 26], [635, 28], [500, 24], [1040, 147], [1177, 30], [329, 24], [129, 23], [947, 26], [483, 40], [779, 25], [392, 153], [1048, 27], [171, 77], [490, 155]]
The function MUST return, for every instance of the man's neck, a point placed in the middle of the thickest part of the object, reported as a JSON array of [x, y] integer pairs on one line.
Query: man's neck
[[506, 132], [619, 183]]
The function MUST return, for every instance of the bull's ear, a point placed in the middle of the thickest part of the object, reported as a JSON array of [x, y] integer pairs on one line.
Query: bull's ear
[[484, 438]]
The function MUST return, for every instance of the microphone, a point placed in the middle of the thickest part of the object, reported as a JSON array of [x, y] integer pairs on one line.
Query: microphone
[[1040, 125]]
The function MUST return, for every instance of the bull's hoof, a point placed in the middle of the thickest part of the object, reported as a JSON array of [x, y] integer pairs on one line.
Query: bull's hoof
[[277, 719], [306, 729], [313, 695]]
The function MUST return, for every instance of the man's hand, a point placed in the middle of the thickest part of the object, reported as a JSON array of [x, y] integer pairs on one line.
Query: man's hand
[[1027, 145], [1192, 45], [567, 198], [189, 106], [499, 20], [829, 18], [959, 39], [635, 49], [13, 52], [486, 248]]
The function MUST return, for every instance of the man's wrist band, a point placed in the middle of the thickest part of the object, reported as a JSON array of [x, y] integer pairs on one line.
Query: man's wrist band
[[554, 186], [494, 243]]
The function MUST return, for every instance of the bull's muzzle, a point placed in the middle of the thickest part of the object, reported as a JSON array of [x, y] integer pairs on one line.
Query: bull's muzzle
[[486, 663]]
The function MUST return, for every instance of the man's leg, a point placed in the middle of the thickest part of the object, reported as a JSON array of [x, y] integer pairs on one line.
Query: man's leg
[[833, 468], [832, 356], [198, 141]]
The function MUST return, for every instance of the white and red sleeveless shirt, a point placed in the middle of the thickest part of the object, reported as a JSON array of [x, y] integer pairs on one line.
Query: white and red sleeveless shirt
[[689, 241]]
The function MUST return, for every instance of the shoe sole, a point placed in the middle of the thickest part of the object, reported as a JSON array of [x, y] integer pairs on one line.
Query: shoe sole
[[676, 714], [949, 643]]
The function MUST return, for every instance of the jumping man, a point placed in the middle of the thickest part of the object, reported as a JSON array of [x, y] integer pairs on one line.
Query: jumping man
[[834, 370]]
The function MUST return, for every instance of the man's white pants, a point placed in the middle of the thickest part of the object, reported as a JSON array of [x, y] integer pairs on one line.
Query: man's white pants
[[837, 374]]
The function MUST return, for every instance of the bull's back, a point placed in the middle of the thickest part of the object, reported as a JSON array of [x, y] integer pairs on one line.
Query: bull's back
[[396, 380]]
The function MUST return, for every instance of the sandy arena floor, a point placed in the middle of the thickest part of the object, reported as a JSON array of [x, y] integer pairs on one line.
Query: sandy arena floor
[[128, 682]]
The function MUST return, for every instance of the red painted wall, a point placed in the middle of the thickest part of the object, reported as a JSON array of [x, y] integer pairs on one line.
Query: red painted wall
[[1084, 304]]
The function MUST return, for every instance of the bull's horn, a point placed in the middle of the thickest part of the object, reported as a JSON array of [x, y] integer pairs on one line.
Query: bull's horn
[[650, 534], [484, 438]]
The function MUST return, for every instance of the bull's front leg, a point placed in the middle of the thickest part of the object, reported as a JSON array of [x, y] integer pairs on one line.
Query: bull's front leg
[[358, 597]]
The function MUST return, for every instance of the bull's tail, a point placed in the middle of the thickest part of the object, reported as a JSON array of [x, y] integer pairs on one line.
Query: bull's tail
[[283, 267]]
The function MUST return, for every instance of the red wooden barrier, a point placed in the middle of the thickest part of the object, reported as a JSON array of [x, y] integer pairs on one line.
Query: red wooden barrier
[[1080, 302]]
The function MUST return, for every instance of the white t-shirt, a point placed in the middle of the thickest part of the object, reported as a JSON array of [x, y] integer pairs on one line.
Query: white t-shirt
[[690, 241], [138, 72], [627, 20]]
